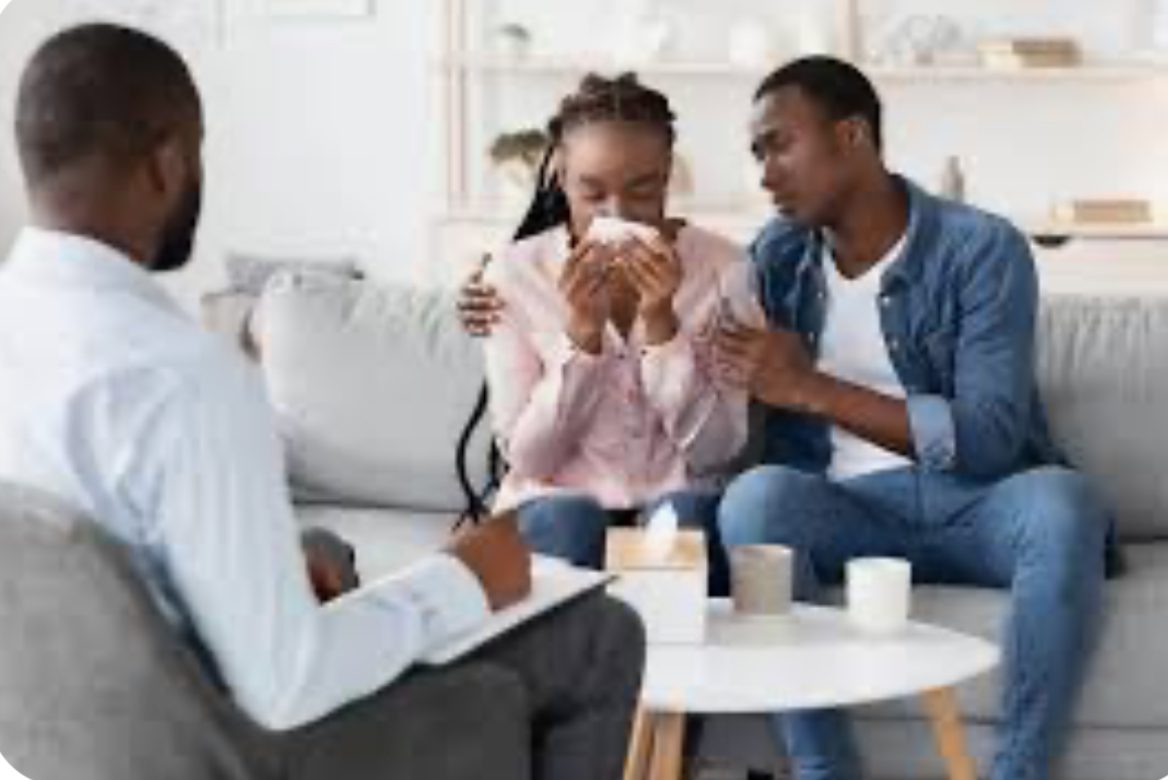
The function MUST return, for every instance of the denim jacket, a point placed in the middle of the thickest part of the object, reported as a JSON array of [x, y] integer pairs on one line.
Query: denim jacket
[[958, 309]]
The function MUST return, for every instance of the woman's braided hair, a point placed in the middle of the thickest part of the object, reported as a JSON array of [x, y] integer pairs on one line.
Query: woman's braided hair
[[597, 99]]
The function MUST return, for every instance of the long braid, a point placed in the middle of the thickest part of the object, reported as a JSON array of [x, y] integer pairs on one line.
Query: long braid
[[598, 99]]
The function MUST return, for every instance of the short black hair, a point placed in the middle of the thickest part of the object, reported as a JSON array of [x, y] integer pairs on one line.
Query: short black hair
[[840, 88], [100, 89]]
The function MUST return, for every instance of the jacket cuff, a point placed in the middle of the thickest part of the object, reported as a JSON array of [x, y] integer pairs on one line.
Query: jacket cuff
[[933, 431]]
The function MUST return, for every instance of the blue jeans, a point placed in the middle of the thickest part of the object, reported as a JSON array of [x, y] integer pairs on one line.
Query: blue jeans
[[1039, 534], [573, 527]]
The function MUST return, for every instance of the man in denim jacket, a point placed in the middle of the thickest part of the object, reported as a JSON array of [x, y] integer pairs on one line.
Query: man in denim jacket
[[903, 414]]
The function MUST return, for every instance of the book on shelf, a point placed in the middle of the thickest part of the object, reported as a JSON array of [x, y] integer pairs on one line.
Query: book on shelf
[[1101, 211], [1022, 53]]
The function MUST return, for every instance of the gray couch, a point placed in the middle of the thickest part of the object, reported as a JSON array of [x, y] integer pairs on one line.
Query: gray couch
[[1103, 368], [77, 699], [95, 686]]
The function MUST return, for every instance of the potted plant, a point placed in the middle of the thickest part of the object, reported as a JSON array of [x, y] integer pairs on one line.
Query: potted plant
[[516, 157]]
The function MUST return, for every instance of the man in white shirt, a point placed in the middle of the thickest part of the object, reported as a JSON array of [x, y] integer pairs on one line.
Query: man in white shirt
[[115, 401]]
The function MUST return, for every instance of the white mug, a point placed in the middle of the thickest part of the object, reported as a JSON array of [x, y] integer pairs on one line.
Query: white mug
[[879, 593], [761, 579]]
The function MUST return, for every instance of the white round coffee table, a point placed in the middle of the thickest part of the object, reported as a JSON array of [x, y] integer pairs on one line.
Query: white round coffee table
[[809, 659]]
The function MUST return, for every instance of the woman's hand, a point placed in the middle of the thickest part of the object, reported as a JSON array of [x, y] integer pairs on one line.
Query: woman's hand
[[654, 269], [582, 283]]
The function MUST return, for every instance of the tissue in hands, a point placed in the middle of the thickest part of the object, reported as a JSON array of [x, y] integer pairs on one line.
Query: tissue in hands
[[661, 572], [616, 233]]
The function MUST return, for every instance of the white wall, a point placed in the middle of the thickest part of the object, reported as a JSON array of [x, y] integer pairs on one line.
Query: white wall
[[324, 136], [321, 134]]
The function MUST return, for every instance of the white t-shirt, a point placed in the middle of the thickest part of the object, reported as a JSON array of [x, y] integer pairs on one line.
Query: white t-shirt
[[853, 349]]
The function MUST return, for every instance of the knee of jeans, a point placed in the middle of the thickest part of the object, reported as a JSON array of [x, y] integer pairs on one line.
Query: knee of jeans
[[576, 506], [1061, 518], [757, 506], [693, 509], [582, 516]]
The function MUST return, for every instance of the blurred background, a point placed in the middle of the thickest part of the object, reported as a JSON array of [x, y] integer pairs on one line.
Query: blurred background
[[400, 134]]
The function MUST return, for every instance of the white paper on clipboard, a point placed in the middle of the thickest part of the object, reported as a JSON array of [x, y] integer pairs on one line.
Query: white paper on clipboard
[[553, 582]]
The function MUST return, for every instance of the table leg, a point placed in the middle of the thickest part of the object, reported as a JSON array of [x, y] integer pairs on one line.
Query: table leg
[[640, 745], [941, 705], [668, 738]]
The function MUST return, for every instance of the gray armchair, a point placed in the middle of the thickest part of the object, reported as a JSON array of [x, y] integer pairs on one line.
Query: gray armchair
[[94, 684]]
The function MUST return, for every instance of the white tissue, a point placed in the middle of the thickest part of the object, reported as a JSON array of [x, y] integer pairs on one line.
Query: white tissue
[[614, 232], [661, 533]]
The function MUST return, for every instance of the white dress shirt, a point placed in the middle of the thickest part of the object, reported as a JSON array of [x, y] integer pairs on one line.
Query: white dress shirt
[[853, 349], [114, 400]]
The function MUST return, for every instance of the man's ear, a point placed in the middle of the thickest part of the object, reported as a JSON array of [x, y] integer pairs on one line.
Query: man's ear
[[857, 133], [167, 170]]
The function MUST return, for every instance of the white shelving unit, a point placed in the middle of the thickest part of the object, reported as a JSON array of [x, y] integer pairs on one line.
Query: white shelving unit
[[484, 224], [470, 226], [552, 66]]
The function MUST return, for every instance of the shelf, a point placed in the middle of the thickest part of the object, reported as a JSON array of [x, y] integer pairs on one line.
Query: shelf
[[558, 66], [554, 66], [1089, 73], [1057, 232], [1044, 232], [701, 212], [464, 66]]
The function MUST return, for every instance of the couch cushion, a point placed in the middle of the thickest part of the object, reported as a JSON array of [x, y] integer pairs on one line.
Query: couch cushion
[[250, 273], [1126, 685], [1103, 371], [1125, 688], [372, 385]]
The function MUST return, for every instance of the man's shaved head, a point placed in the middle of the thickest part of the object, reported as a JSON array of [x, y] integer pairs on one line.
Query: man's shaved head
[[100, 90]]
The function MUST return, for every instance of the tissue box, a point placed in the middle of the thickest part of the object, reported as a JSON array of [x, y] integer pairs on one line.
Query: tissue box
[[664, 579]]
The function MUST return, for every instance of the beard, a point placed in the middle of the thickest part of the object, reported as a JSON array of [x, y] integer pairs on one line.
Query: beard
[[178, 238]]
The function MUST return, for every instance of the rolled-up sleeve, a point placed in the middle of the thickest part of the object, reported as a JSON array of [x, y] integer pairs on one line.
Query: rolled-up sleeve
[[933, 431], [982, 429]]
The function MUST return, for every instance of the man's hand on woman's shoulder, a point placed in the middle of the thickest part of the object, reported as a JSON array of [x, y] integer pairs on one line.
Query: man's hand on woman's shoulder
[[479, 304]]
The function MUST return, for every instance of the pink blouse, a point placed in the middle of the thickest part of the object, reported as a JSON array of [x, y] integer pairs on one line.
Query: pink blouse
[[635, 422]]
